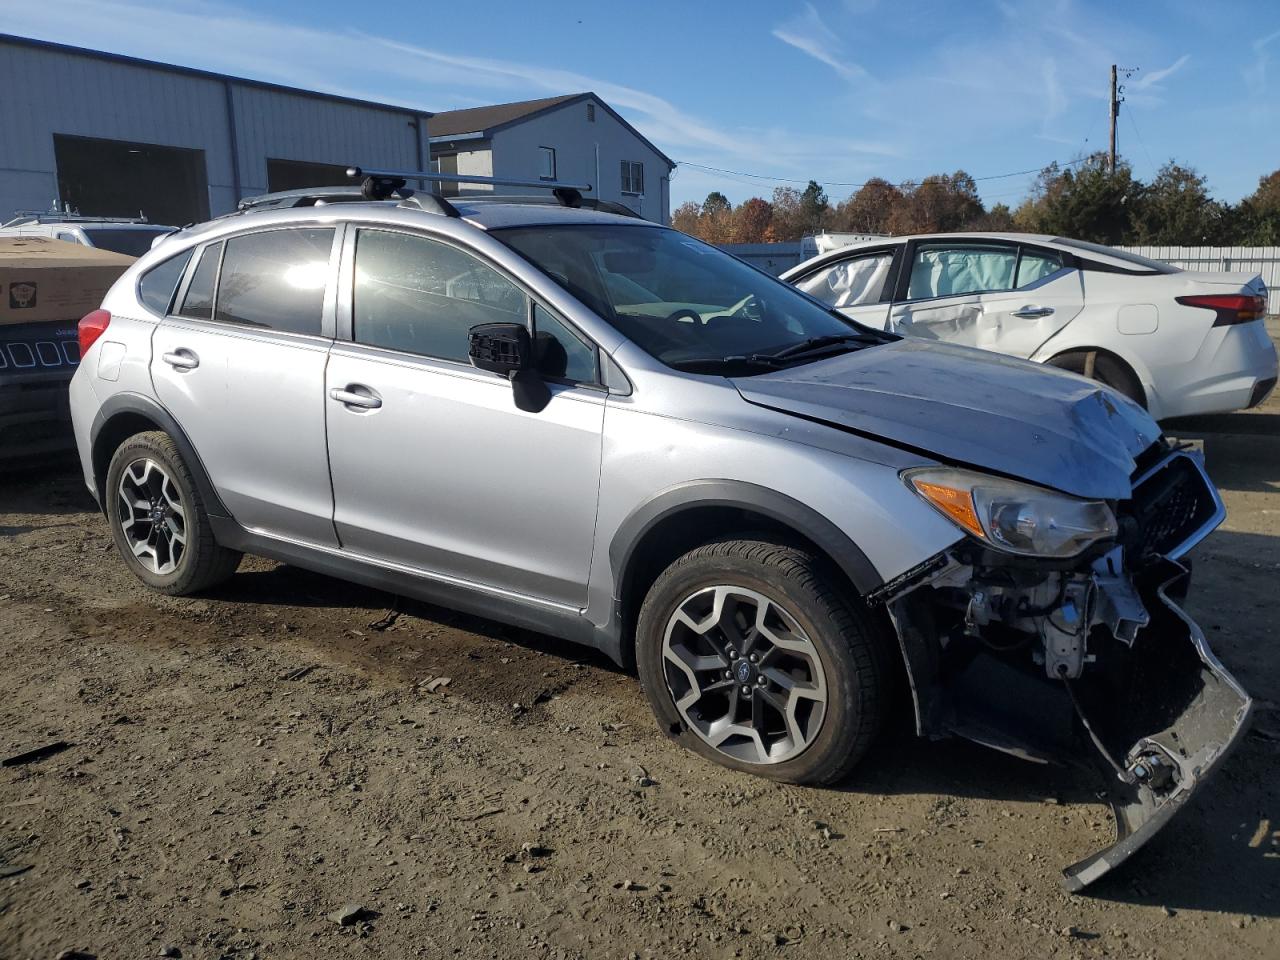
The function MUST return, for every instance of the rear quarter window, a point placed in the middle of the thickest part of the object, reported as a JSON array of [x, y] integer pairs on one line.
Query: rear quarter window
[[157, 286], [276, 279]]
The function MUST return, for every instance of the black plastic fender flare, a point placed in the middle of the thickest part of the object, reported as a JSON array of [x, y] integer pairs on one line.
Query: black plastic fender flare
[[123, 404]]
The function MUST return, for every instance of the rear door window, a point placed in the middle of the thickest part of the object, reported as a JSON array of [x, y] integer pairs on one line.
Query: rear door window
[[946, 270], [157, 285], [276, 279], [1035, 265], [197, 302]]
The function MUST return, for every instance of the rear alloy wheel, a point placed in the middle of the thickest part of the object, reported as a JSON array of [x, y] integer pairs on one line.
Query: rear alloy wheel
[[158, 520], [758, 656]]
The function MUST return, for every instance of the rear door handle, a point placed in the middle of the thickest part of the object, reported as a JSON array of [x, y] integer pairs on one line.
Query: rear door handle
[[351, 398], [1033, 313], [181, 359]]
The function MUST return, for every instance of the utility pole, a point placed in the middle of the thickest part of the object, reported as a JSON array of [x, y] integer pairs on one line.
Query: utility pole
[[1117, 98], [1115, 113]]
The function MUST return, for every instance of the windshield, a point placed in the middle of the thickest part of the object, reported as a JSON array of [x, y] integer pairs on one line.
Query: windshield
[[132, 242], [685, 302]]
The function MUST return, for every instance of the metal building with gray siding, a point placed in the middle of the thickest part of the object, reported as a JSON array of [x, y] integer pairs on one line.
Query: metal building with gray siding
[[116, 136]]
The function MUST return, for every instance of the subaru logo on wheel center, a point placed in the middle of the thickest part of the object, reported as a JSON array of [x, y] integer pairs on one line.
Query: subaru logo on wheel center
[[744, 671]]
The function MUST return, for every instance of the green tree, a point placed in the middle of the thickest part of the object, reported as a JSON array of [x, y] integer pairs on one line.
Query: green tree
[[1256, 221], [715, 204], [1176, 209], [814, 208], [1086, 202]]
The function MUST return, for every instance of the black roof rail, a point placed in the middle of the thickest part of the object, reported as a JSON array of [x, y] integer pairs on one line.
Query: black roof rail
[[390, 181], [585, 203]]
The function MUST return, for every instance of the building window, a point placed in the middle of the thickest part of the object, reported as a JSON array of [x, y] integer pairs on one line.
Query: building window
[[632, 177], [547, 163], [591, 113]]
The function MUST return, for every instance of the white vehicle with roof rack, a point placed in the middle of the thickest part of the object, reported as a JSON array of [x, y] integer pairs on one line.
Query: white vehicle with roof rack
[[132, 236], [1179, 342]]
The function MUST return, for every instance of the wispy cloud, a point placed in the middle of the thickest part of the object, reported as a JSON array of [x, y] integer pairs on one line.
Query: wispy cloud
[[1149, 81], [809, 34], [1255, 74], [219, 36]]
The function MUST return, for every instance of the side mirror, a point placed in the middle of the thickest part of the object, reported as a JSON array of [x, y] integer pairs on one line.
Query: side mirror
[[507, 348], [504, 348]]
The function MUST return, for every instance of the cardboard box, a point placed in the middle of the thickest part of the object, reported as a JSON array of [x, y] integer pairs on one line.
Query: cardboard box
[[46, 279]]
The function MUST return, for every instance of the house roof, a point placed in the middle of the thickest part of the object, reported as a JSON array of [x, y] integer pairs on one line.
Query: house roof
[[487, 120]]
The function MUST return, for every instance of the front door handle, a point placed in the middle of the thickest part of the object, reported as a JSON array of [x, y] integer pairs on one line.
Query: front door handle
[[181, 359], [352, 398], [1033, 313]]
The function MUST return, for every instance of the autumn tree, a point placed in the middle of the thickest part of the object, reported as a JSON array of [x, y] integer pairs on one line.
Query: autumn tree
[[686, 217], [715, 222], [787, 222], [751, 221], [868, 210], [938, 204]]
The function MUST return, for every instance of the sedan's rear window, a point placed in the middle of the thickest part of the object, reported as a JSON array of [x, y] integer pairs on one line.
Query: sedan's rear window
[[1143, 264]]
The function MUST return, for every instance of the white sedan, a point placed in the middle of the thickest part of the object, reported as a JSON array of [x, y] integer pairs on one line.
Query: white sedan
[[1179, 342]]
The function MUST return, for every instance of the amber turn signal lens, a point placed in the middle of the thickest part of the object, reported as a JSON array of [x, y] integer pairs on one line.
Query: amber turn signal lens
[[956, 504]]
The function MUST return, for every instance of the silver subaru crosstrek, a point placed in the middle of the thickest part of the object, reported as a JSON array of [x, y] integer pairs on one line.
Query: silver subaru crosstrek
[[600, 428]]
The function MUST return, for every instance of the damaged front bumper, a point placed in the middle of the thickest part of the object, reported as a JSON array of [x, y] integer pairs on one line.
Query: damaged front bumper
[[1091, 665]]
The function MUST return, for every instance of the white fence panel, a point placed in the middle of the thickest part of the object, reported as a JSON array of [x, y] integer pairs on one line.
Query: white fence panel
[[1260, 260]]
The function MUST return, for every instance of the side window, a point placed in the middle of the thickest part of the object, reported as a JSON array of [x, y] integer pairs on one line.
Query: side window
[[850, 283], [423, 296], [560, 354], [1035, 265], [198, 301], [942, 271], [276, 279], [157, 285]]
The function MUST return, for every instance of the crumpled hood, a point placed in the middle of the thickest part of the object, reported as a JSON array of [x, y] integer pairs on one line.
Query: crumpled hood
[[972, 407]]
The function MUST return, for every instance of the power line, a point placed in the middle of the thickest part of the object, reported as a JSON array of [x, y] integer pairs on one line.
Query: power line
[[850, 183]]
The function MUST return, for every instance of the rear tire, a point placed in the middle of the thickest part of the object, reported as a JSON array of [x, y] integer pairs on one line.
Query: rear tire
[[808, 708], [1107, 369], [158, 520]]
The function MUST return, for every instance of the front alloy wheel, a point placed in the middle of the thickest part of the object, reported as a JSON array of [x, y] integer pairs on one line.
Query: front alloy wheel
[[744, 675], [758, 655]]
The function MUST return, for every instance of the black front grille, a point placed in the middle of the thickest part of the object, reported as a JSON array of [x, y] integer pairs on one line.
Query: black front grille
[[1172, 505]]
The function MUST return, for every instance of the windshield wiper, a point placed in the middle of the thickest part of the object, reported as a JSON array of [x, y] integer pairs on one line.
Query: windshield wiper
[[754, 360], [818, 344]]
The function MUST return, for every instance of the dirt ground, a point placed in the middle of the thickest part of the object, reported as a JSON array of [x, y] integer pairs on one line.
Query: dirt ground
[[242, 765]]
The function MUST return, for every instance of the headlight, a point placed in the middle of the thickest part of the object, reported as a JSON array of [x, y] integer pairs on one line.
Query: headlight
[[1015, 517]]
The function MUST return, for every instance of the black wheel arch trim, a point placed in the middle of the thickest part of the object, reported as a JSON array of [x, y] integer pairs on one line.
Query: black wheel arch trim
[[738, 494], [121, 404]]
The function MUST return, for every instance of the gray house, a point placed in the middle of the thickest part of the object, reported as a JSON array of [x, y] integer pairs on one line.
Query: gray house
[[577, 137]]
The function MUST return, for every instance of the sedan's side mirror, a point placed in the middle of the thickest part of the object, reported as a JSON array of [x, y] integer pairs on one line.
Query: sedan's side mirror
[[507, 348]]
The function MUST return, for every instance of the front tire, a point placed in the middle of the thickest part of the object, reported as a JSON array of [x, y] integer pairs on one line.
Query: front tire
[[758, 656], [158, 520]]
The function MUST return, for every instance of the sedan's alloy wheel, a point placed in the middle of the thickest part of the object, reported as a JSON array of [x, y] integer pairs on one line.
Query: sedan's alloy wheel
[[743, 674], [152, 516]]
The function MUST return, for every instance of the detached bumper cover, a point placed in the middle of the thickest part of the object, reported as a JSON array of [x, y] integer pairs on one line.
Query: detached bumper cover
[[1182, 714]]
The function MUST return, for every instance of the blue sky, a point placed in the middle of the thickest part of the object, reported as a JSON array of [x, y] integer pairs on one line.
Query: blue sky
[[838, 91]]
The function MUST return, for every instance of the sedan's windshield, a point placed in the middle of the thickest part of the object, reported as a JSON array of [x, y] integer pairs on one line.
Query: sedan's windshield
[[685, 302]]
